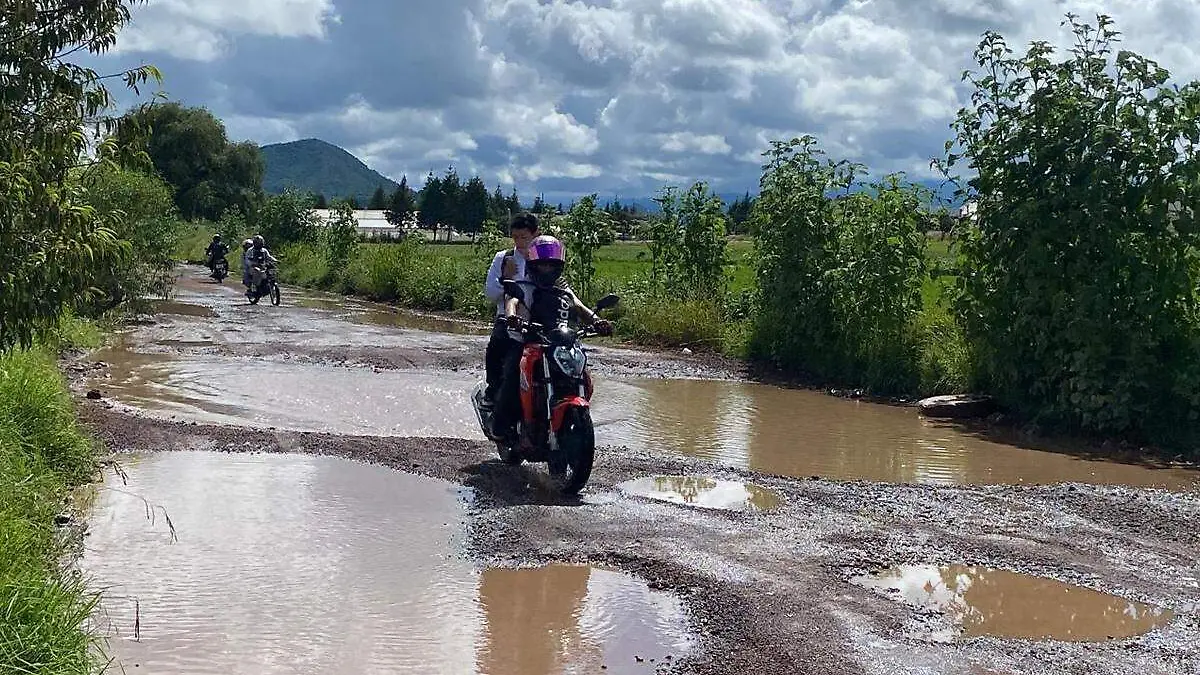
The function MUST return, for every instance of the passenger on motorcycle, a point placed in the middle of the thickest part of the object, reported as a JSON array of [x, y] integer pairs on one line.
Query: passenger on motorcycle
[[216, 250], [259, 256], [544, 263], [246, 245], [507, 264]]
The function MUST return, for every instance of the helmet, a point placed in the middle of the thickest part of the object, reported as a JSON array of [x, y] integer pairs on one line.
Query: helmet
[[216, 237], [545, 260], [248, 243], [259, 242]]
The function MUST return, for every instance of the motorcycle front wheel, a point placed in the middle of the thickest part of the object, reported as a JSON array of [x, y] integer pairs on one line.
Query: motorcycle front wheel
[[576, 451], [275, 298]]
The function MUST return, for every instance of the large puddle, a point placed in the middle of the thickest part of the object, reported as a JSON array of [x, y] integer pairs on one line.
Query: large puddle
[[1005, 604], [304, 564], [744, 425]]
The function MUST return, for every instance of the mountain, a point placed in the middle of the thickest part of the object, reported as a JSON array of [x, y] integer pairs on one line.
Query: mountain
[[313, 165]]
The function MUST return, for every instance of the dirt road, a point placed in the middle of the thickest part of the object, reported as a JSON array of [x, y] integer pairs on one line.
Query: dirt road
[[766, 592]]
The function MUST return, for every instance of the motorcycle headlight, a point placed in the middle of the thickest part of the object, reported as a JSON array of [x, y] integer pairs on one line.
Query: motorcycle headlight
[[571, 360]]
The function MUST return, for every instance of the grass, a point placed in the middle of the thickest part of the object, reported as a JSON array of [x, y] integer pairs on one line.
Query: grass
[[43, 454]]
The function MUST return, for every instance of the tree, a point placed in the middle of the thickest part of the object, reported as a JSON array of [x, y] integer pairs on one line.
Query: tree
[[539, 205], [498, 207], [739, 213], [474, 206], [341, 237], [401, 205], [350, 201], [286, 218], [514, 202], [584, 230], [321, 202], [145, 214], [189, 149], [50, 240], [452, 201], [1079, 277], [432, 203], [379, 200]]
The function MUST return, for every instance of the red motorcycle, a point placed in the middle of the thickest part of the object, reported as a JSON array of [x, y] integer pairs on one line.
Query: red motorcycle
[[556, 391]]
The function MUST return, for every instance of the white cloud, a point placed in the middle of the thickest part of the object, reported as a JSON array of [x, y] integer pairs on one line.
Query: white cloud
[[583, 95], [203, 30]]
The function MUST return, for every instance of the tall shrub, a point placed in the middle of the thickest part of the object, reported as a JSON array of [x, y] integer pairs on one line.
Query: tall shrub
[[1081, 267]]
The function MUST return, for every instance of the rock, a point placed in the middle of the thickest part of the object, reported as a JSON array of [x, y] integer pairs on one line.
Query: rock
[[687, 351], [957, 406], [94, 394], [63, 519]]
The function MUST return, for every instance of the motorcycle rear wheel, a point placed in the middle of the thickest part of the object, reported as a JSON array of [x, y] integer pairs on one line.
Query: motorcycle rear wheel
[[576, 451]]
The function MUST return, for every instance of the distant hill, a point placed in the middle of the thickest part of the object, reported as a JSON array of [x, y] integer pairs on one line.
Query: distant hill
[[316, 166]]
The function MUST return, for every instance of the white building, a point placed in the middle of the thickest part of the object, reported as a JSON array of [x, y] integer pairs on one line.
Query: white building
[[371, 222]]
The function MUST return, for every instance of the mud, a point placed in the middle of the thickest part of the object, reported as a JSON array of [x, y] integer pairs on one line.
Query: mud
[[770, 592], [261, 563]]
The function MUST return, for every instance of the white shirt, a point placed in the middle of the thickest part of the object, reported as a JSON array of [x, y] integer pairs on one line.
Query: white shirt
[[492, 289]]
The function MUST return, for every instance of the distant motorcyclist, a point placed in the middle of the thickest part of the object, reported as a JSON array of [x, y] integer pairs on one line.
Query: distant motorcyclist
[[544, 262], [216, 250], [260, 258], [246, 246]]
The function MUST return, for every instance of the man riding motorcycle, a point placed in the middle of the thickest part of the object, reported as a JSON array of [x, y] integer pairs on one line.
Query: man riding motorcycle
[[544, 263], [259, 259], [507, 264], [216, 249]]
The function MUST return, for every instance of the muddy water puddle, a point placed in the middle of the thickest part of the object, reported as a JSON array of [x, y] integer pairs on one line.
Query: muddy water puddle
[[804, 433], [1001, 603], [704, 492], [295, 396], [292, 563]]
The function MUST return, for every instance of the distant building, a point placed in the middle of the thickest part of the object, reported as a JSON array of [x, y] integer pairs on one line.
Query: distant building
[[372, 223]]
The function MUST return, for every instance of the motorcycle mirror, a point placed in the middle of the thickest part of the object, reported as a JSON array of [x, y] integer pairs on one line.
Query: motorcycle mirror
[[607, 301]]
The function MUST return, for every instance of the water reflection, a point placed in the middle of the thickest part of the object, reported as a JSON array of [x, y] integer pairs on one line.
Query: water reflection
[[803, 433], [305, 564], [704, 492], [1001, 603]]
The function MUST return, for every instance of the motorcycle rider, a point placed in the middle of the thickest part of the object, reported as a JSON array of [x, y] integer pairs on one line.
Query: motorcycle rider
[[259, 255], [507, 264], [216, 249], [544, 262], [246, 245]]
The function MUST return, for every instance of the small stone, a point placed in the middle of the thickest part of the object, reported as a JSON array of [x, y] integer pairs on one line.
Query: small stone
[[94, 394]]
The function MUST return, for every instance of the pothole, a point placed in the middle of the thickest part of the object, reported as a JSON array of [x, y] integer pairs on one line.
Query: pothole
[[264, 563], [576, 618], [182, 308], [703, 491], [999, 603]]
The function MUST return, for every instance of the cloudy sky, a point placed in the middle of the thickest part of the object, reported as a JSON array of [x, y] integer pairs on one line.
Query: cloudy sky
[[614, 96]]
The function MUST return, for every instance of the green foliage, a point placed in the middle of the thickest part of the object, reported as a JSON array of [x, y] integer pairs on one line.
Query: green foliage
[[51, 241], [584, 229], [139, 210], [42, 454], [312, 165], [1079, 283], [341, 237], [491, 239], [189, 149], [379, 200], [839, 275], [688, 242], [402, 204], [286, 218]]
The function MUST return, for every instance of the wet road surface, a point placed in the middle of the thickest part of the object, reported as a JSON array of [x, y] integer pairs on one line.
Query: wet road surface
[[716, 516]]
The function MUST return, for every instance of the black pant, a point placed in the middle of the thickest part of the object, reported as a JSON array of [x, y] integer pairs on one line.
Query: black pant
[[508, 394], [498, 348]]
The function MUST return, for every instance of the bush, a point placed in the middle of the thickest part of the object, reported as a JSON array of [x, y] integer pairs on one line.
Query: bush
[[1079, 292], [42, 454], [841, 269]]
